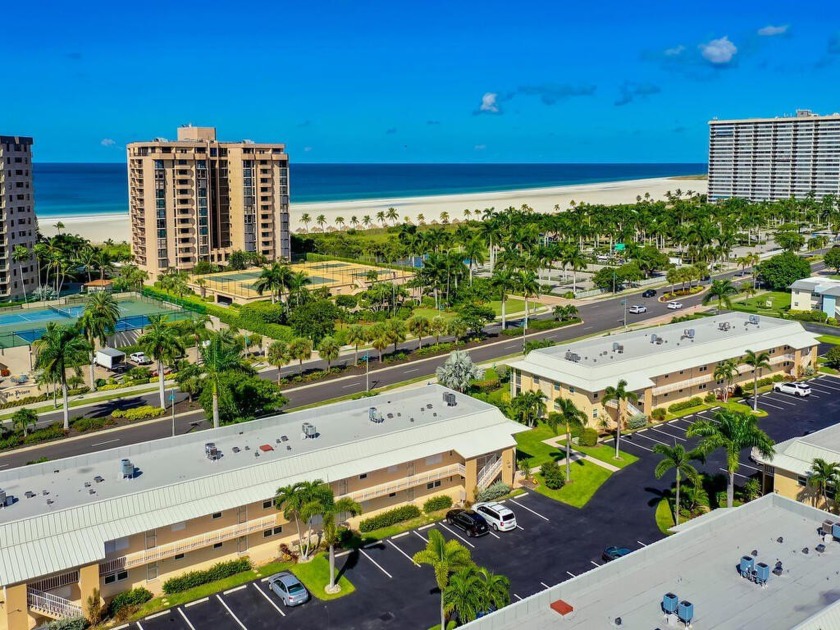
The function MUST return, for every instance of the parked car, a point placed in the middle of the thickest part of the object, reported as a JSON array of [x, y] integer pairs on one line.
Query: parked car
[[139, 358], [614, 553], [796, 389], [288, 588], [469, 521], [674, 305], [637, 308], [649, 293], [497, 515]]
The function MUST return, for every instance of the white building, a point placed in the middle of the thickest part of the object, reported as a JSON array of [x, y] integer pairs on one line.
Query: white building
[[18, 225], [816, 293]]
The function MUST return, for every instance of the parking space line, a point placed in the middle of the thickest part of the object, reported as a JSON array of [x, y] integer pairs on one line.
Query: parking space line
[[595, 563], [189, 623], [654, 440], [524, 494], [235, 618], [520, 527], [784, 402], [714, 408], [379, 566], [457, 535], [736, 474], [638, 445], [156, 615], [517, 597], [571, 574], [426, 526], [422, 537], [824, 384], [529, 509], [404, 553], [750, 467], [400, 535], [233, 590], [122, 627], [202, 600], [264, 594], [641, 543], [338, 555], [669, 435], [544, 584], [141, 627], [766, 404]]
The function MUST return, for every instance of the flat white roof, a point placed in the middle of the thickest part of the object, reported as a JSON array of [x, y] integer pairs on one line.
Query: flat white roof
[[699, 565], [638, 356], [68, 514]]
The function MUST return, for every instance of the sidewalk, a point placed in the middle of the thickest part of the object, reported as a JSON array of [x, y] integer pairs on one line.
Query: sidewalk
[[576, 455]]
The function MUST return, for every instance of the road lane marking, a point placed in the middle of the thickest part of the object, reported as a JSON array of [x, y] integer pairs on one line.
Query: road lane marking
[[199, 601], [189, 623], [654, 440], [751, 467], [520, 527], [784, 402], [4, 465], [641, 543], [529, 509], [457, 535], [632, 443], [767, 404], [379, 566], [235, 618], [234, 589], [264, 594], [350, 385], [410, 371], [404, 553], [141, 627], [426, 526], [338, 555], [106, 442], [493, 534]]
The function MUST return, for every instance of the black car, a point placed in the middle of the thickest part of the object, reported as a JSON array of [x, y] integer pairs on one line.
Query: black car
[[471, 522], [649, 293], [614, 553]]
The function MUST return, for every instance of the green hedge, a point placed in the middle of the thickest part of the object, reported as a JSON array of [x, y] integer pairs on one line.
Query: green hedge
[[391, 517], [696, 401], [134, 597], [588, 437], [71, 623], [493, 491], [437, 503], [50, 432], [138, 413], [83, 425], [658, 414], [218, 571]]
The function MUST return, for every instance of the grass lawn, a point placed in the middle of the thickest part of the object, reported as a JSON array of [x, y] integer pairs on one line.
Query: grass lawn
[[832, 339], [315, 576], [778, 300], [530, 445], [664, 517], [606, 454], [432, 313], [731, 405], [586, 479]]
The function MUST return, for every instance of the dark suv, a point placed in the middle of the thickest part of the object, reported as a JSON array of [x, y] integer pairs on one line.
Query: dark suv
[[649, 293], [471, 522]]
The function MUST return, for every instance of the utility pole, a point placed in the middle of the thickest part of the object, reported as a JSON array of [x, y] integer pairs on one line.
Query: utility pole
[[367, 372], [624, 304], [172, 399]]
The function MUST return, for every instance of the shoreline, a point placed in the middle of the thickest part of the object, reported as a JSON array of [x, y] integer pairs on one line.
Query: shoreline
[[101, 227]]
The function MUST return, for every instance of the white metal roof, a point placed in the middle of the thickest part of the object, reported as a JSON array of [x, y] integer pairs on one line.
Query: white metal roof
[[637, 357], [797, 454], [177, 482]]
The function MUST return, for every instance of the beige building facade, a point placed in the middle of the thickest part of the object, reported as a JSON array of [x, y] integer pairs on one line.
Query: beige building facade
[[119, 532], [18, 224], [198, 199]]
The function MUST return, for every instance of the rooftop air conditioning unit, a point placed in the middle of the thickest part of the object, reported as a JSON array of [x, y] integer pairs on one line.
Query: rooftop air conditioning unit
[[685, 612], [374, 415], [688, 332], [212, 452], [126, 469], [654, 339], [309, 430], [449, 399], [827, 527], [2, 498], [670, 602], [616, 346], [753, 319]]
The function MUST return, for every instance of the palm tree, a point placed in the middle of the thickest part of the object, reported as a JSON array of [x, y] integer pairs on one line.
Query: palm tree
[[366, 221], [306, 220], [474, 251], [503, 281], [758, 361], [339, 221], [20, 255], [392, 215], [726, 371], [188, 378], [274, 279], [379, 337], [527, 407], [300, 501], [419, 326], [59, 348], [329, 349], [98, 320], [445, 557], [321, 220], [567, 413], [23, 419], [300, 349], [437, 327], [720, 290], [732, 431], [495, 590], [463, 594], [621, 397], [278, 356], [161, 342], [822, 476], [356, 335], [679, 459], [528, 287], [329, 522], [354, 222], [396, 331], [220, 354], [380, 216]]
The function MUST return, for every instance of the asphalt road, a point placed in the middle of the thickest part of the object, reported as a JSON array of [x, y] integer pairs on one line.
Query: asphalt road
[[598, 317]]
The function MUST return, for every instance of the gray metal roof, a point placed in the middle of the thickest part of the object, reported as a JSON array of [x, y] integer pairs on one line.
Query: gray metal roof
[[600, 364], [699, 564], [177, 482], [817, 284], [797, 454]]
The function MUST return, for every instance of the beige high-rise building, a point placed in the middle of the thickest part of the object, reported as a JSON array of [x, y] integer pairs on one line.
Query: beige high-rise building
[[198, 199], [18, 224]]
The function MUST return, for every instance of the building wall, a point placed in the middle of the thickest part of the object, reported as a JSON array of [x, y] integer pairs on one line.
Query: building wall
[[18, 223]]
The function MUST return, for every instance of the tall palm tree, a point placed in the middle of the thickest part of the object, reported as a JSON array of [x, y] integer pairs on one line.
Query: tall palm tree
[[503, 281], [331, 510], [278, 356], [679, 459], [445, 557], [392, 215], [733, 432], [321, 220], [306, 219], [300, 349], [567, 413], [474, 252], [726, 371], [298, 502], [60, 348], [220, 354], [20, 255], [757, 361], [528, 287], [329, 349], [621, 396], [822, 476], [722, 291], [356, 335], [161, 342], [274, 279], [98, 320], [419, 326]]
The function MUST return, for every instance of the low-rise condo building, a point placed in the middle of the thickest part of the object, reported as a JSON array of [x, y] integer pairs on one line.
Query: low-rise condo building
[[140, 514], [199, 199], [817, 293], [765, 564], [662, 365], [18, 225]]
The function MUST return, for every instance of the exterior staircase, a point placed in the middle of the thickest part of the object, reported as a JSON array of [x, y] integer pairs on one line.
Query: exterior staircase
[[50, 605], [489, 472]]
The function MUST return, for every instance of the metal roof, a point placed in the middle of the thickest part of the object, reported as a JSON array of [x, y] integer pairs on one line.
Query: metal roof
[[177, 482], [817, 284], [798, 454], [640, 355]]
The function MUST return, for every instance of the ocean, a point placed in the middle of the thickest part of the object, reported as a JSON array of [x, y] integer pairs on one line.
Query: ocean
[[88, 189]]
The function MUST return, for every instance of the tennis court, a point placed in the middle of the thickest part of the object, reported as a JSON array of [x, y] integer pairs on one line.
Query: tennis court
[[23, 326]]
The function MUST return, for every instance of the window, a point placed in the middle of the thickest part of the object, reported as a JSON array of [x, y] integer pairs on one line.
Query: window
[[179, 556], [267, 504], [556, 387], [536, 380], [272, 531], [217, 515], [218, 546], [119, 576], [364, 476], [434, 484], [802, 481], [116, 545]]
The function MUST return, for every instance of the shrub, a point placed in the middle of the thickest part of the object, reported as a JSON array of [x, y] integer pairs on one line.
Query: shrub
[[493, 491], [218, 571], [134, 597], [346, 301], [709, 398], [389, 517], [637, 421], [588, 437], [538, 344], [72, 623], [94, 610], [437, 503], [686, 404], [263, 312], [138, 413], [738, 391], [552, 475], [82, 424], [658, 414]]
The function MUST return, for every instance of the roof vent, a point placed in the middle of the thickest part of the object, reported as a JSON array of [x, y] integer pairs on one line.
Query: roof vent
[[126, 469], [655, 339], [724, 326], [574, 357], [308, 430], [688, 332], [449, 399], [99, 479]]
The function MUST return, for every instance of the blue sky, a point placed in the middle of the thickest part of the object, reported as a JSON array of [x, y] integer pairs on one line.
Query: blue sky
[[433, 81]]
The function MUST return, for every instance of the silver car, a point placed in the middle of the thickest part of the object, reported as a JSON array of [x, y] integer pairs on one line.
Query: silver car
[[288, 588]]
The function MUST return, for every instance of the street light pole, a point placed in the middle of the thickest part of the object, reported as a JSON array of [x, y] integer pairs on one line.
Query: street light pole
[[367, 372], [624, 304], [172, 398]]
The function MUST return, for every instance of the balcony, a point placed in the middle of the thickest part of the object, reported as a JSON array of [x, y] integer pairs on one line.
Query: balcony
[[50, 605], [684, 384], [411, 481]]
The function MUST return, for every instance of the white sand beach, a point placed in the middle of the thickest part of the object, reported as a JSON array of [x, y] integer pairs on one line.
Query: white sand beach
[[115, 226]]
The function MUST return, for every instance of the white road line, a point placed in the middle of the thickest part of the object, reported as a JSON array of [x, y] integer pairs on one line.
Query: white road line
[[641, 543], [494, 535], [264, 594], [736, 474], [184, 615], [515, 595], [750, 467], [338, 555], [234, 589], [520, 527], [235, 618], [3, 465], [654, 440], [410, 559], [379, 566], [814, 396], [202, 600], [642, 431], [410, 371], [636, 445], [156, 615], [426, 526], [421, 536], [544, 584], [457, 535], [714, 408], [595, 563], [669, 435], [400, 535], [369, 545], [141, 627], [350, 385], [106, 442], [824, 384], [529, 509], [122, 627], [767, 404], [570, 573], [784, 402]]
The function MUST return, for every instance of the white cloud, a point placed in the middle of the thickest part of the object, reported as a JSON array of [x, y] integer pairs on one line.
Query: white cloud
[[108, 142], [719, 51], [489, 103], [675, 51], [770, 30]]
